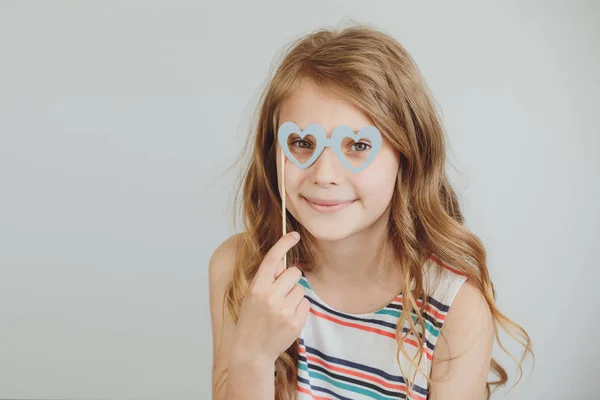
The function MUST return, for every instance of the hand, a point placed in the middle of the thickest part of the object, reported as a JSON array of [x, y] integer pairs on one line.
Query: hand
[[274, 311]]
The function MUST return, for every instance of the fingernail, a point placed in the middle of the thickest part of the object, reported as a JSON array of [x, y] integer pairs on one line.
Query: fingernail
[[296, 235]]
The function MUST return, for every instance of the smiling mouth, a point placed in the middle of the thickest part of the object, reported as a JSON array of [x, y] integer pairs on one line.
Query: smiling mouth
[[328, 206]]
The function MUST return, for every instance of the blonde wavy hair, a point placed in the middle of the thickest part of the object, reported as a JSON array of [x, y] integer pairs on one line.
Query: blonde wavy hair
[[377, 74]]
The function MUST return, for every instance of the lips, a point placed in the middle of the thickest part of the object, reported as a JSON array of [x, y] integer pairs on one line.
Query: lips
[[324, 202], [328, 205]]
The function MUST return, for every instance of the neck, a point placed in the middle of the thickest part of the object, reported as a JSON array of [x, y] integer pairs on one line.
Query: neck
[[357, 260]]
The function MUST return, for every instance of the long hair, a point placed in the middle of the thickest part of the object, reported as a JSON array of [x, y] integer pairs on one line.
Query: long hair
[[373, 71]]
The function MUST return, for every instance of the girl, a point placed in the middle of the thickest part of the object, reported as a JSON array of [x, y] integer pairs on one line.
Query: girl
[[387, 294]]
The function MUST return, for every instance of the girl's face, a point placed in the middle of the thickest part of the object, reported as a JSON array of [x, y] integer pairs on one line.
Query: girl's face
[[360, 199]]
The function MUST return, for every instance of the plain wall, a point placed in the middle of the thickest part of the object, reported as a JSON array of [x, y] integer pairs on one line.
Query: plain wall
[[118, 121]]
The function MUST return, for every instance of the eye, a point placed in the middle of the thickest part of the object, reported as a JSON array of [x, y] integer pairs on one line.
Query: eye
[[361, 146], [303, 144]]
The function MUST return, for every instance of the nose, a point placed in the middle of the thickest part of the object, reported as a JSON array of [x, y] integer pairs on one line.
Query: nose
[[327, 169]]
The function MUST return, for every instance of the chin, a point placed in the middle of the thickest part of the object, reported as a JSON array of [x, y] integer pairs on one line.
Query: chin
[[326, 229], [328, 226], [328, 233]]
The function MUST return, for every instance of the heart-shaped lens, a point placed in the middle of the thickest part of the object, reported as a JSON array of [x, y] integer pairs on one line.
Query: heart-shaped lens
[[355, 150], [302, 148]]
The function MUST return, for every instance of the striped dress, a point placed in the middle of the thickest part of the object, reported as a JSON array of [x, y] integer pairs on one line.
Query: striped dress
[[353, 356]]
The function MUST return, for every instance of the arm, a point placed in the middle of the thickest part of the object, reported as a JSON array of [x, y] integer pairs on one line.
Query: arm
[[246, 378], [468, 335]]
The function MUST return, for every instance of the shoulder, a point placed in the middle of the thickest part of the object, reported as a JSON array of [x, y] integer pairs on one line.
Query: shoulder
[[442, 282], [220, 271], [227, 249], [222, 260], [470, 309], [462, 356], [463, 302], [463, 307]]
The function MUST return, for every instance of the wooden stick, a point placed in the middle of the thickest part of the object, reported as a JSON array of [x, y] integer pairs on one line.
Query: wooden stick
[[283, 211]]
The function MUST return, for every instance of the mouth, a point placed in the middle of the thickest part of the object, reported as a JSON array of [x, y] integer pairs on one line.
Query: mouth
[[327, 206]]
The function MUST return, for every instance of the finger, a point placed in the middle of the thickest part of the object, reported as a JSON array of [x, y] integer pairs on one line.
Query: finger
[[279, 270], [286, 281], [267, 268], [302, 310], [292, 300]]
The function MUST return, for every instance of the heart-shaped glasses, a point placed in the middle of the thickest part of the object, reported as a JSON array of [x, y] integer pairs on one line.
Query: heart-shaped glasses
[[303, 147]]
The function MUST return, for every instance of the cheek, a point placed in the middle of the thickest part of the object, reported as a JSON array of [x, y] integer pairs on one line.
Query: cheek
[[374, 187], [292, 174], [293, 178], [377, 184]]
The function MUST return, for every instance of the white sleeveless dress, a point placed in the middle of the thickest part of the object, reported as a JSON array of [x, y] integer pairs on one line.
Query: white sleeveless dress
[[353, 356]]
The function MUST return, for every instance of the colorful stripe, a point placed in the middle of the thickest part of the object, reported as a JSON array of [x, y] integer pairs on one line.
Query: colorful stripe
[[434, 317], [350, 376], [342, 372]]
